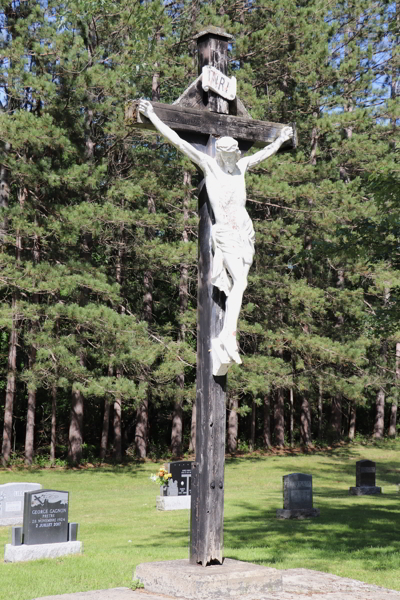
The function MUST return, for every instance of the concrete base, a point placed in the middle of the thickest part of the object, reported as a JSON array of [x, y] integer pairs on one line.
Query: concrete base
[[37, 551], [233, 579], [173, 502], [297, 513], [8, 522], [365, 490]]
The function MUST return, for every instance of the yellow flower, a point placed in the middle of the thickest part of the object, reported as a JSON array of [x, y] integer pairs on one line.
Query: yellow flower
[[169, 475], [166, 477]]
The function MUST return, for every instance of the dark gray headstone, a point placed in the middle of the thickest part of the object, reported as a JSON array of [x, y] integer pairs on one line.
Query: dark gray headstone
[[181, 481], [45, 517], [365, 473], [297, 491], [12, 501]]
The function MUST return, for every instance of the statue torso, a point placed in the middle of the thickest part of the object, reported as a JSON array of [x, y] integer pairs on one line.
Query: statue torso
[[227, 194]]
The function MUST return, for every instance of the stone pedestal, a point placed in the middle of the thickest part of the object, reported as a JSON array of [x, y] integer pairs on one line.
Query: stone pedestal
[[297, 513], [365, 490], [173, 502], [27, 552], [232, 579]]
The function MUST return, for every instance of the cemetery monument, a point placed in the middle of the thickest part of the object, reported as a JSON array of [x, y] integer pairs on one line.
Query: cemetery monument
[[211, 126], [177, 494], [365, 479], [46, 532], [12, 501], [297, 497]]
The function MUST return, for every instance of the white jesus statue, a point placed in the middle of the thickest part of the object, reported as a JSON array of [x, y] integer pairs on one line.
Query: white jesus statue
[[232, 233]]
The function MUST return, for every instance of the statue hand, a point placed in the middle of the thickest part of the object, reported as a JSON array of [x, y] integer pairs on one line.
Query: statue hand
[[286, 134], [146, 108]]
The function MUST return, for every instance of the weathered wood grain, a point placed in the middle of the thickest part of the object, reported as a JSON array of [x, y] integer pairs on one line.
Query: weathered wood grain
[[206, 545], [188, 119]]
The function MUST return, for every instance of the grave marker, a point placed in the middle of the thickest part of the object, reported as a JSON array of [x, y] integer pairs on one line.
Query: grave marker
[[297, 497], [45, 517], [365, 479], [177, 494], [12, 501], [46, 532]]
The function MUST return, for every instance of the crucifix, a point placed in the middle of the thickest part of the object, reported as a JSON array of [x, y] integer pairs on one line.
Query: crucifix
[[210, 125]]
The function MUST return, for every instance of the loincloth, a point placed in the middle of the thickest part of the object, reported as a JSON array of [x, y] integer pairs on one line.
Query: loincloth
[[235, 242]]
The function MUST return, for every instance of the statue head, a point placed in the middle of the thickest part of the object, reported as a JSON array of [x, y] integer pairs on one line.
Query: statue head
[[227, 151]]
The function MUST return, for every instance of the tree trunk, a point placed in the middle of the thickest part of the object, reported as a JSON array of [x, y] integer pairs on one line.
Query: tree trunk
[[192, 444], [291, 420], [177, 421], [177, 416], [75, 437], [392, 431], [4, 194], [305, 421], [267, 422], [320, 396], [142, 414], [30, 417], [279, 418], [380, 414], [11, 381], [352, 421], [13, 342], [393, 409], [379, 425], [117, 430], [233, 423], [53, 437], [141, 433], [253, 426], [336, 417], [75, 434], [105, 429]]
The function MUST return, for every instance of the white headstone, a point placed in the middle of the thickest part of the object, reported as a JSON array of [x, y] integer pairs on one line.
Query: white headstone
[[12, 501]]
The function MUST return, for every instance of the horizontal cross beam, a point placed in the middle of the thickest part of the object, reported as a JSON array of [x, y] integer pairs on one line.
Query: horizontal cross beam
[[191, 120]]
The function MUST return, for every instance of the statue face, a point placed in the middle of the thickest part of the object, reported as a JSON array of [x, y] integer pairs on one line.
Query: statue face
[[228, 153], [229, 160]]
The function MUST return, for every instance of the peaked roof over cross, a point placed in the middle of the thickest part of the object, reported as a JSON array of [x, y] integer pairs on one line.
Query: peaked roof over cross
[[193, 113]]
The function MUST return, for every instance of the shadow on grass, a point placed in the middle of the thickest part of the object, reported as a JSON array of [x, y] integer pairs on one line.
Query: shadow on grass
[[368, 532], [387, 472]]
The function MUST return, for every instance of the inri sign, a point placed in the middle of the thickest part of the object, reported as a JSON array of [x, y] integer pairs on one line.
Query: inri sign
[[214, 80]]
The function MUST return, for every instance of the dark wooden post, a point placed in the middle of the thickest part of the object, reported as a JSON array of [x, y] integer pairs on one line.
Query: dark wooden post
[[207, 514], [197, 116]]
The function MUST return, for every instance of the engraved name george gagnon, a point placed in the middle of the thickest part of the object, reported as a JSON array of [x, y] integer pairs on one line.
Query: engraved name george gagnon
[[233, 232]]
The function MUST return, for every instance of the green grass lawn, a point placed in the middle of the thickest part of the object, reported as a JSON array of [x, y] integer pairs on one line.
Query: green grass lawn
[[357, 537]]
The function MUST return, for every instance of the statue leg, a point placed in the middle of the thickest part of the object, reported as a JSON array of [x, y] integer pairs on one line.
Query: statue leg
[[238, 270]]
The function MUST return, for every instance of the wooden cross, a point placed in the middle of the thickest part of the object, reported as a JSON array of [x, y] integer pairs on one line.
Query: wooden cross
[[199, 116]]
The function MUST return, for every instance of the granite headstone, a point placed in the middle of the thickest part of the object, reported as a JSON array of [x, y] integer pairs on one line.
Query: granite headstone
[[45, 517], [365, 479], [12, 501], [180, 483], [45, 532], [297, 497], [177, 494]]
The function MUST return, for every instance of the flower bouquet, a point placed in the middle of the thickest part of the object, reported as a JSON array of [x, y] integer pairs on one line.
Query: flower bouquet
[[162, 478]]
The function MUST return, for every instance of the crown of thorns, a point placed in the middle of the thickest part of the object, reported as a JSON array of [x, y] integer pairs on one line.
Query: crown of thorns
[[227, 144]]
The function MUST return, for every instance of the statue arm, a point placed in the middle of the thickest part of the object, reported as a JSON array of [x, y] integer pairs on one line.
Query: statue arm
[[199, 158], [251, 161]]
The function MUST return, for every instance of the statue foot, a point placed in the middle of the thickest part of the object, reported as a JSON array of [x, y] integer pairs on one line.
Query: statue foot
[[230, 346]]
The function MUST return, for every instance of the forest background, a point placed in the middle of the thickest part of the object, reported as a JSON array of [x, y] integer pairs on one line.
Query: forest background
[[98, 228]]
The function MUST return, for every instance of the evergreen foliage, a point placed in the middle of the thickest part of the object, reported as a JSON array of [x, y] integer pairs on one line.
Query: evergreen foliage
[[98, 233]]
